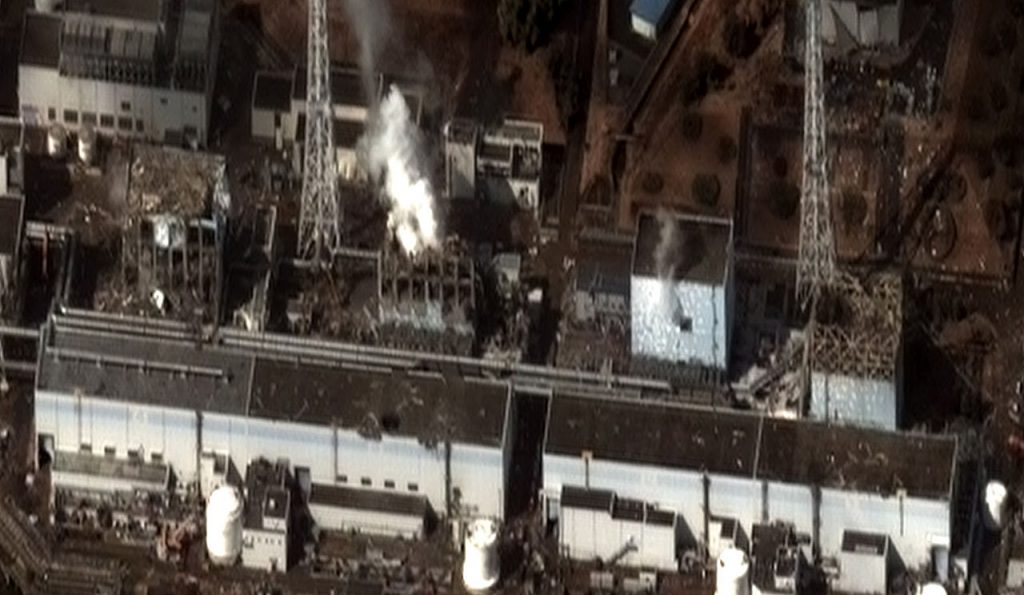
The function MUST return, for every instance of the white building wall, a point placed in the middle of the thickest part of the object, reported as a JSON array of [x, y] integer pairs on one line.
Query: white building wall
[[160, 109], [247, 439], [589, 534], [791, 503], [38, 90], [264, 550], [479, 474], [262, 125], [913, 525], [655, 333], [401, 460], [736, 498], [668, 489], [922, 524], [855, 401], [862, 574], [74, 421], [460, 169], [334, 518]]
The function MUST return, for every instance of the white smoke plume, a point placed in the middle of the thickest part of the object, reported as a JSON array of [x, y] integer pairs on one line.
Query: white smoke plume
[[370, 20], [668, 244], [393, 151], [666, 255]]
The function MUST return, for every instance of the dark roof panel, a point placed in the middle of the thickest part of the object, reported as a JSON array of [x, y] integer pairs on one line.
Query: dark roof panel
[[145, 370], [40, 43], [858, 542], [428, 408], [143, 10], [11, 214], [729, 443], [664, 518], [272, 91], [625, 509], [851, 458], [346, 86], [577, 497], [370, 500], [603, 264], [653, 434]]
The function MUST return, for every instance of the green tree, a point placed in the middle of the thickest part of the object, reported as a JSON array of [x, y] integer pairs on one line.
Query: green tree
[[527, 22]]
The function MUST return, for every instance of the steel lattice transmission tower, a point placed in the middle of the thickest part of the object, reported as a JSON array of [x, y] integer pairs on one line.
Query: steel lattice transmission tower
[[319, 219], [817, 260]]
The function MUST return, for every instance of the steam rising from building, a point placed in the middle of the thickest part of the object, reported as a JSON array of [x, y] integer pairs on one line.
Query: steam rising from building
[[393, 150], [392, 147], [665, 254], [371, 22]]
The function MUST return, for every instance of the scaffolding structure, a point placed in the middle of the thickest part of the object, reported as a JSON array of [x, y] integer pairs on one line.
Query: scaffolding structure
[[858, 332]]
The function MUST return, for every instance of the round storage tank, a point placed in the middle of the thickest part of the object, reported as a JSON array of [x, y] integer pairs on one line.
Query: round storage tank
[[996, 500], [933, 589], [56, 141], [87, 144], [46, 5], [224, 525], [732, 575], [481, 566]]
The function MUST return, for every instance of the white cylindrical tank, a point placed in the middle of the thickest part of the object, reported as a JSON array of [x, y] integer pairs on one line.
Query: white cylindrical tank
[[481, 566], [87, 144], [46, 5], [933, 589], [996, 501], [224, 525], [732, 576], [56, 141]]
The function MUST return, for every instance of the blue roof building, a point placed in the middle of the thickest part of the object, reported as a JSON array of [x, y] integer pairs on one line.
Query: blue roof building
[[648, 17]]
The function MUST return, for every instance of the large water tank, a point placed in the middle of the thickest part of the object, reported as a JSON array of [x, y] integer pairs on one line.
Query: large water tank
[[56, 141], [732, 576], [933, 589], [87, 144], [481, 566], [224, 525], [996, 501]]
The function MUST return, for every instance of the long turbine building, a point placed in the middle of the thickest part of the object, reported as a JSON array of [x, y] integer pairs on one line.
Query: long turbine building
[[142, 69]]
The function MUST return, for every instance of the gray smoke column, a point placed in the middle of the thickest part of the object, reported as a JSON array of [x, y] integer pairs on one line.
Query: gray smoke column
[[371, 22], [666, 255], [393, 151], [666, 252]]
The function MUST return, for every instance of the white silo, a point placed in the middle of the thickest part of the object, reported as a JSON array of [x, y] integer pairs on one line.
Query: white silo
[[87, 144], [996, 501], [56, 141], [481, 565], [732, 576], [224, 525], [932, 589]]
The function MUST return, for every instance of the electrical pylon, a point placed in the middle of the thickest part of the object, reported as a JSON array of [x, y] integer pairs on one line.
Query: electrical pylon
[[816, 267], [320, 217]]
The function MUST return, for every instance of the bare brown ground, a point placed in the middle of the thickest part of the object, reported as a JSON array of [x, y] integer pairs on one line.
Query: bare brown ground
[[452, 45]]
